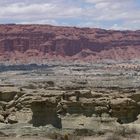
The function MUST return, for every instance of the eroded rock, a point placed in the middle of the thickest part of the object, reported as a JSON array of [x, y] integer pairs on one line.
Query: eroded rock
[[35, 41], [2, 119], [44, 113], [12, 119]]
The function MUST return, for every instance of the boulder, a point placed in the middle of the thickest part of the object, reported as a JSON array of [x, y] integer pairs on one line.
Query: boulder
[[1, 118], [12, 119]]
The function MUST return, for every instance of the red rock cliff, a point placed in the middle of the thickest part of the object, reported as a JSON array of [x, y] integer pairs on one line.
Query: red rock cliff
[[47, 42]]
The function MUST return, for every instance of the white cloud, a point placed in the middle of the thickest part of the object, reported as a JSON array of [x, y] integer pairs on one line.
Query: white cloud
[[38, 10], [89, 24], [115, 9], [125, 13], [53, 22], [122, 14], [117, 27]]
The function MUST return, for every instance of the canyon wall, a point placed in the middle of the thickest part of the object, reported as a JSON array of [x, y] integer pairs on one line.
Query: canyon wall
[[26, 42]]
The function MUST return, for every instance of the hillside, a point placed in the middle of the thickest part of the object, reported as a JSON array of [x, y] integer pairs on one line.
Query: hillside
[[43, 42]]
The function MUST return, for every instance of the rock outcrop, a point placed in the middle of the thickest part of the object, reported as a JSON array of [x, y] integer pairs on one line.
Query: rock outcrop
[[81, 100], [27, 42], [48, 108], [45, 112]]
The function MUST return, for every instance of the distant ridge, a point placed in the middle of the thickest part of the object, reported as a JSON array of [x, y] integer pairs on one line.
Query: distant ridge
[[27, 43]]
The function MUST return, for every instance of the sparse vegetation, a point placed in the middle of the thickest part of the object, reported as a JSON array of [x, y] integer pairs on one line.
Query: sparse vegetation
[[86, 97], [113, 137], [50, 83], [123, 132]]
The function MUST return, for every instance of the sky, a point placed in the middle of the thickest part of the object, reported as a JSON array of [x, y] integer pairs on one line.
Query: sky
[[107, 14]]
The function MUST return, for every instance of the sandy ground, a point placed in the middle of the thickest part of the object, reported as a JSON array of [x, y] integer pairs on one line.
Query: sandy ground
[[84, 138], [24, 139]]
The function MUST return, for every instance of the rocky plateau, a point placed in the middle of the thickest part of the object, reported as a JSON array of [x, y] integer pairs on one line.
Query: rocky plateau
[[68, 102], [39, 43]]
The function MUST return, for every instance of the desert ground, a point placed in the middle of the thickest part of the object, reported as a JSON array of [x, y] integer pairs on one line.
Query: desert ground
[[70, 101]]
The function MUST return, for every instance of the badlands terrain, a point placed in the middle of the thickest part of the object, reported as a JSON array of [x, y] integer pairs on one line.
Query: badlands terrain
[[70, 101], [69, 83]]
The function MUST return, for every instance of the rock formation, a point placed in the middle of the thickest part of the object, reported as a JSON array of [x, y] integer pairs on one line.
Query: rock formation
[[27, 42], [82, 99]]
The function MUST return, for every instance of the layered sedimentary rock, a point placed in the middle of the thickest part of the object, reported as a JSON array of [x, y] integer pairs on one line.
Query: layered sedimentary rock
[[80, 100], [42, 109], [26, 42]]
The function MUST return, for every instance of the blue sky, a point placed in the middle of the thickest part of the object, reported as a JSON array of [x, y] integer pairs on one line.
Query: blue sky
[[108, 14]]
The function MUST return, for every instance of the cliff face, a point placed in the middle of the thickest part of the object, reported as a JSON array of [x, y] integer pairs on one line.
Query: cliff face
[[46, 42]]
